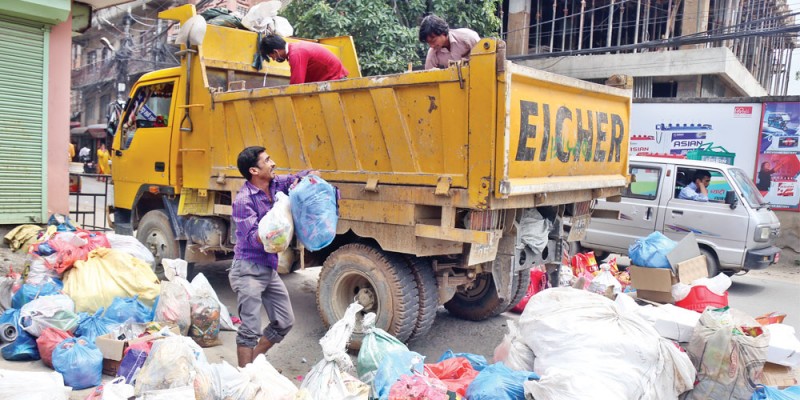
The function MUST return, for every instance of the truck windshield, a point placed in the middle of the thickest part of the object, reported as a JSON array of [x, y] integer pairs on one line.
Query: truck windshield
[[748, 188]]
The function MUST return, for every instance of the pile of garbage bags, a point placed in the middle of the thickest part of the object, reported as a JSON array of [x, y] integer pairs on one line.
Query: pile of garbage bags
[[81, 287]]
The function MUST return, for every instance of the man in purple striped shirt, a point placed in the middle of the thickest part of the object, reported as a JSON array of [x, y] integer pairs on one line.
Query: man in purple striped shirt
[[253, 275]]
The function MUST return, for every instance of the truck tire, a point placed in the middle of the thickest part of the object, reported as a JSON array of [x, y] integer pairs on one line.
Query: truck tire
[[479, 300], [524, 281], [428, 289], [711, 262], [381, 281], [155, 232]]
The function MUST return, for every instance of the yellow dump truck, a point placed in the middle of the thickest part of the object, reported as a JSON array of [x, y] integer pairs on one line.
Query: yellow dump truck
[[438, 170]]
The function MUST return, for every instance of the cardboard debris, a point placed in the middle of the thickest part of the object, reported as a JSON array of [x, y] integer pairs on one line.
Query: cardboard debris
[[655, 284], [113, 349], [778, 375]]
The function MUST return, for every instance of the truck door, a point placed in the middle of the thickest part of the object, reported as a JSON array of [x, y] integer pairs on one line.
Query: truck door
[[638, 212], [142, 145], [715, 224]]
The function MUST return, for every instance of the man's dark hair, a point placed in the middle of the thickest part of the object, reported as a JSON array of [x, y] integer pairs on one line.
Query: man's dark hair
[[432, 25], [270, 43], [701, 174], [248, 158]]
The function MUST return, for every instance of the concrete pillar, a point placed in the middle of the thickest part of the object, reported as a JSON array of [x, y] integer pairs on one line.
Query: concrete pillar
[[519, 21], [690, 87], [695, 19]]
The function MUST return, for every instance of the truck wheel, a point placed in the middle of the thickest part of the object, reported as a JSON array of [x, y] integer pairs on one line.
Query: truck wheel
[[381, 282], [155, 232], [524, 281], [479, 301], [711, 262], [428, 295]]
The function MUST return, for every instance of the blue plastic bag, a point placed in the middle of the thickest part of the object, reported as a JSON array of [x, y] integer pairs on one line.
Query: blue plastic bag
[[651, 251], [314, 212], [62, 223], [80, 362], [478, 362], [394, 365], [130, 365], [29, 291], [92, 326], [125, 308], [24, 347], [772, 393], [498, 382]]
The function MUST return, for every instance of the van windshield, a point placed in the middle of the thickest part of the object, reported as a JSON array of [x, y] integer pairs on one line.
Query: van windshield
[[748, 188]]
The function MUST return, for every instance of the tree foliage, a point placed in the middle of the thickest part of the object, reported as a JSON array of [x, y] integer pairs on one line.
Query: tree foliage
[[386, 31]]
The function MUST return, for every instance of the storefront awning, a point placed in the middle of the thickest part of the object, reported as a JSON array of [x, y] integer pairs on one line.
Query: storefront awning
[[97, 131]]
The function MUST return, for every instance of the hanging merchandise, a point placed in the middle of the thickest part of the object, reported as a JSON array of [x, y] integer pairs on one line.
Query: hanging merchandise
[[314, 211], [107, 274], [47, 342], [80, 362]]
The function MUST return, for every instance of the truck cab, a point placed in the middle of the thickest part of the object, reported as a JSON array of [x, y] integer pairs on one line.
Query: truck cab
[[735, 228]]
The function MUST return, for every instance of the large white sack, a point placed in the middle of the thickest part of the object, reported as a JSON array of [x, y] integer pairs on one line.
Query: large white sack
[[30, 385], [586, 347]]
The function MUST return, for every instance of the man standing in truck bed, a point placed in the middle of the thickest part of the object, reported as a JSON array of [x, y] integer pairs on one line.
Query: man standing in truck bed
[[309, 62], [254, 276]]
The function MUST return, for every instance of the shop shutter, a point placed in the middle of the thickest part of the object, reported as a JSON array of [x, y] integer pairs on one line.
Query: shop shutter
[[23, 122]]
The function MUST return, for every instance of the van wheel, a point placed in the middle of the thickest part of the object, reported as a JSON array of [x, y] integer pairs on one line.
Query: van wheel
[[155, 232], [711, 262], [382, 282]]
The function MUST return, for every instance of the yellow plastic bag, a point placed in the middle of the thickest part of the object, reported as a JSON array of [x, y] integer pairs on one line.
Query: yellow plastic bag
[[107, 274]]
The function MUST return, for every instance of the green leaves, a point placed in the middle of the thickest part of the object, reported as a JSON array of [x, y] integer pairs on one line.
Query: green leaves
[[385, 31]]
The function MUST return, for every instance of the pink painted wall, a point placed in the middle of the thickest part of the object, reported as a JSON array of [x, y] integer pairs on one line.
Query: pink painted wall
[[58, 118]]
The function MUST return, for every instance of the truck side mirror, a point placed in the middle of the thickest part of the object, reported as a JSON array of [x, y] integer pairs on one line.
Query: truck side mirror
[[731, 199]]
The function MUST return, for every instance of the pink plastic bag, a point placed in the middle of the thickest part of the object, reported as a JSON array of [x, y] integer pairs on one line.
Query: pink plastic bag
[[418, 387]]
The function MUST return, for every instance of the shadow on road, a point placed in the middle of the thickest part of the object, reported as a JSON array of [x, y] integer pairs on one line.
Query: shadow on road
[[745, 289]]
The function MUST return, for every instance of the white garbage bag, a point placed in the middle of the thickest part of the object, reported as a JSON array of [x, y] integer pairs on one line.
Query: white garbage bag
[[29, 385], [272, 384], [513, 351], [130, 245], [276, 228], [200, 284], [586, 347]]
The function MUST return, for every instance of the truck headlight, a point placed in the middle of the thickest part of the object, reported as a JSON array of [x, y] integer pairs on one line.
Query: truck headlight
[[762, 234]]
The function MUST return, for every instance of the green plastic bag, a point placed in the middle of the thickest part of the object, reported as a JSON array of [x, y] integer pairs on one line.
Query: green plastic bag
[[376, 344]]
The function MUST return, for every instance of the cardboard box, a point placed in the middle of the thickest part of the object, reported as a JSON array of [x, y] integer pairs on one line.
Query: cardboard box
[[114, 349], [778, 375], [655, 284]]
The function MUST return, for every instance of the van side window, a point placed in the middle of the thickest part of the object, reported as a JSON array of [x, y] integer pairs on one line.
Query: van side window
[[644, 183], [148, 108], [717, 187]]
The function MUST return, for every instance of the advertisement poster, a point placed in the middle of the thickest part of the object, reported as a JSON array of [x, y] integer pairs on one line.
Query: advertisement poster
[[778, 166], [675, 129]]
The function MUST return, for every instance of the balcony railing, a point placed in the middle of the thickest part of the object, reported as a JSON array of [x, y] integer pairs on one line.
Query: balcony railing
[[106, 71]]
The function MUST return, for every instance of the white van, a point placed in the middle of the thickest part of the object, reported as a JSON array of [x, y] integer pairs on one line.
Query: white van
[[735, 228]]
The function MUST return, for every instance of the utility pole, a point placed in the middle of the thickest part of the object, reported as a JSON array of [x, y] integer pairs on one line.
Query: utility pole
[[122, 56]]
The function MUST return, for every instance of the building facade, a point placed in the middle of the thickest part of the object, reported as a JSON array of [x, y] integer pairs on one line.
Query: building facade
[[671, 48]]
